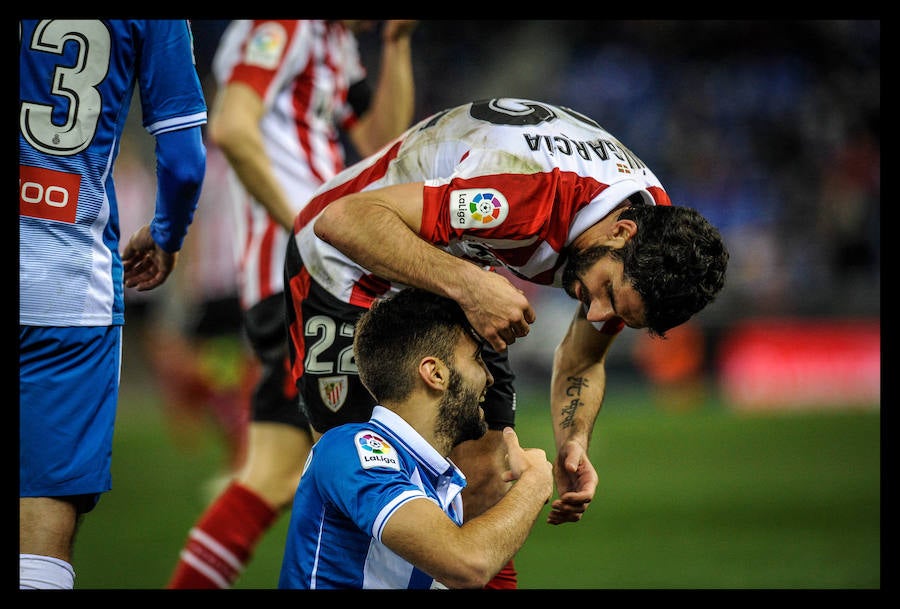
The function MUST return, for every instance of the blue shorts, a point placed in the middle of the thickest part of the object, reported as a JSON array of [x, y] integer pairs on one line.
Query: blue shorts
[[68, 395]]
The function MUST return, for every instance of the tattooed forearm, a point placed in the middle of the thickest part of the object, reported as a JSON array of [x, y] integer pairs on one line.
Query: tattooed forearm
[[568, 413], [576, 384]]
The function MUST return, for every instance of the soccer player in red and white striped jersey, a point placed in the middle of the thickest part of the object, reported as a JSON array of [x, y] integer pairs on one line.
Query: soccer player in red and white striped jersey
[[538, 189]]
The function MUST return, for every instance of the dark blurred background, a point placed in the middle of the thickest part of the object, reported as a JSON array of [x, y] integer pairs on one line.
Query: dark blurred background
[[770, 128]]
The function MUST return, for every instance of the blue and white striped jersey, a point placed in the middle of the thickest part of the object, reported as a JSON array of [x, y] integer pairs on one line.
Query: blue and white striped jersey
[[76, 79]]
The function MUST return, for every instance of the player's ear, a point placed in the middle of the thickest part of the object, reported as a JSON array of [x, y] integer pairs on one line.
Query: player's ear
[[622, 231], [433, 372]]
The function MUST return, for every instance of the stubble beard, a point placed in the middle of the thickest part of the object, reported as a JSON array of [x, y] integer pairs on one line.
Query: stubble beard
[[578, 264]]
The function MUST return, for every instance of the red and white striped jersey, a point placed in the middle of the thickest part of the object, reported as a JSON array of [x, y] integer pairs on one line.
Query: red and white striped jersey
[[508, 182], [303, 71]]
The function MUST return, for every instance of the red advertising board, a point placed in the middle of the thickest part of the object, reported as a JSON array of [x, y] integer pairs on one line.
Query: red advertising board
[[771, 364]]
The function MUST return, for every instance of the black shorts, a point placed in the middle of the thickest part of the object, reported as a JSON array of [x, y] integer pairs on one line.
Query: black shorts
[[329, 386], [274, 398]]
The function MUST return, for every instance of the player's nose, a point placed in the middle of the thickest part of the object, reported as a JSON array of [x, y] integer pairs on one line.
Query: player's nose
[[600, 312]]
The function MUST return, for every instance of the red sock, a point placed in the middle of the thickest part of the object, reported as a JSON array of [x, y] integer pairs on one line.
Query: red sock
[[506, 579], [222, 542]]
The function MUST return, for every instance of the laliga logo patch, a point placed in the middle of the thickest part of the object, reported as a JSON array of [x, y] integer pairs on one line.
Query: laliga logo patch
[[477, 208], [374, 451], [333, 391], [266, 46]]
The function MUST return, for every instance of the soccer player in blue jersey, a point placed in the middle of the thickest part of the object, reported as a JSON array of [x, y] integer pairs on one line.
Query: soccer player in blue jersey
[[379, 504], [76, 80]]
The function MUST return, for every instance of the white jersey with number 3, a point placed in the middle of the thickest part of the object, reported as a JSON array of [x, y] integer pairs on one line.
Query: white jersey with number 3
[[508, 182]]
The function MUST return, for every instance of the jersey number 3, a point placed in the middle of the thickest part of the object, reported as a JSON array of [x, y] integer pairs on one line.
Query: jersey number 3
[[74, 85]]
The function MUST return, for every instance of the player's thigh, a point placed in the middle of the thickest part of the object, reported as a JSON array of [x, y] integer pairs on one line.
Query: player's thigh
[[274, 398], [276, 454]]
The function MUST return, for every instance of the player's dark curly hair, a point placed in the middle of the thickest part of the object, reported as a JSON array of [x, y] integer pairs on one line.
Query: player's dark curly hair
[[396, 332], [676, 261]]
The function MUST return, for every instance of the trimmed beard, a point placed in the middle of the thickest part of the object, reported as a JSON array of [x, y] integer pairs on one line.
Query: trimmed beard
[[457, 418]]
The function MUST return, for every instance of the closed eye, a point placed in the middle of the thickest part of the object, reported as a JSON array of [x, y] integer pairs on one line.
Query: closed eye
[[612, 298], [585, 296]]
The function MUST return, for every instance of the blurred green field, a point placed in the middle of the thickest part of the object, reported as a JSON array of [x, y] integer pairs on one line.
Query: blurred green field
[[706, 499]]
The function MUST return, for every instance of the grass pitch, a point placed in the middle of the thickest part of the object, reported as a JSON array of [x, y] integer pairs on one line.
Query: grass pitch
[[706, 499]]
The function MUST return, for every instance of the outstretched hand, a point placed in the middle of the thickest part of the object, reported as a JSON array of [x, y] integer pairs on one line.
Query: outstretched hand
[[576, 483], [146, 265]]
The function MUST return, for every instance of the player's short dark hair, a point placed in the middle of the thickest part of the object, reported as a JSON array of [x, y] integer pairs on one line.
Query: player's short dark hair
[[397, 332], [676, 262]]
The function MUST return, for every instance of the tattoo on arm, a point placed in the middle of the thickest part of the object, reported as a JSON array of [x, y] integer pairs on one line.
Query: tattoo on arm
[[576, 383]]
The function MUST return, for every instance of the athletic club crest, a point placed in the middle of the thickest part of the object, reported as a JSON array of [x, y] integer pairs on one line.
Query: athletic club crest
[[333, 391]]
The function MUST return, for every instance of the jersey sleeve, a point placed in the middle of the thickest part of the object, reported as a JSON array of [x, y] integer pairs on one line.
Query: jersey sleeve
[[180, 169], [262, 63], [171, 94], [513, 205], [367, 479]]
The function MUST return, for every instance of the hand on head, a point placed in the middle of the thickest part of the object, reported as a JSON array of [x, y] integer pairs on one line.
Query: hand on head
[[499, 311]]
